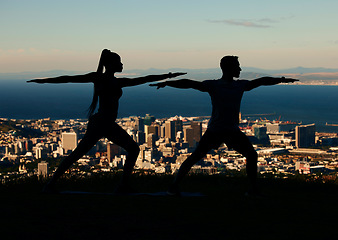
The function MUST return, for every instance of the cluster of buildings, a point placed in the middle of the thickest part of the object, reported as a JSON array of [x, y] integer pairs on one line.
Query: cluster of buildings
[[283, 147]]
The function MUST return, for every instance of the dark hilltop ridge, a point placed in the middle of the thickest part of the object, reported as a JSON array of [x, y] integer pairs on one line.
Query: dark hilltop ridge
[[293, 209]]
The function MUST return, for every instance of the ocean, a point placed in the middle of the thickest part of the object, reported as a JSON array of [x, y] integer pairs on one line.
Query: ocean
[[300, 103]]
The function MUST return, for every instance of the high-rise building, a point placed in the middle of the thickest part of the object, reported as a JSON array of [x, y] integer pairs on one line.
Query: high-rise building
[[139, 124], [178, 125], [43, 169], [110, 153], [151, 139], [197, 127], [140, 137], [17, 149], [170, 127], [305, 135], [193, 134], [29, 145], [69, 141], [148, 119], [260, 132], [152, 129], [162, 131], [189, 136], [112, 150], [40, 152]]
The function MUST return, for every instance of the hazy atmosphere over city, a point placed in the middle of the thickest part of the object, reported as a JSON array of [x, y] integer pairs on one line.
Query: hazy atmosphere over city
[[41, 35]]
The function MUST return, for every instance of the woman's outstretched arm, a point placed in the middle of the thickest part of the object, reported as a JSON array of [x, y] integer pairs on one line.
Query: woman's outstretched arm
[[182, 83], [266, 81], [128, 82], [89, 77]]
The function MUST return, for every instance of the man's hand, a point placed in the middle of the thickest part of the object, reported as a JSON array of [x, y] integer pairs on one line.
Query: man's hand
[[176, 74], [158, 85]]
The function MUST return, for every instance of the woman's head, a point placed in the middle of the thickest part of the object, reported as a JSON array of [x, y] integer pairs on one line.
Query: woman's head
[[110, 61]]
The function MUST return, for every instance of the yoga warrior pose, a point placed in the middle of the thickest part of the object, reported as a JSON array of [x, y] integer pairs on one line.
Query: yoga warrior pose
[[107, 91], [226, 95]]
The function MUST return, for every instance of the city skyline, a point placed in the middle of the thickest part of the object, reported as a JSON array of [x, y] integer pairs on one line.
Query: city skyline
[[283, 145], [40, 36]]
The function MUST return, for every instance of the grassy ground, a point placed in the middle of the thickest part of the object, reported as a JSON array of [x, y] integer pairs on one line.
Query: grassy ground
[[294, 210]]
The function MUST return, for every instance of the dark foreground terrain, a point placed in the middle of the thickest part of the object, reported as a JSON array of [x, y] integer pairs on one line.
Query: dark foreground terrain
[[294, 209]]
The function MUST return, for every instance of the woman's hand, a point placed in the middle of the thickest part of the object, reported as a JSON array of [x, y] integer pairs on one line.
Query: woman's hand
[[288, 80], [36, 81]]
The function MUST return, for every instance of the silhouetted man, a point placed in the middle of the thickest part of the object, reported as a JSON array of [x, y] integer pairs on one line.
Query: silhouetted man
[[226, 95]]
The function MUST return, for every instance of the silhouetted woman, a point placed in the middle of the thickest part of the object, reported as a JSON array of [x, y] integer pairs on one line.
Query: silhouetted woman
[[107, 91]]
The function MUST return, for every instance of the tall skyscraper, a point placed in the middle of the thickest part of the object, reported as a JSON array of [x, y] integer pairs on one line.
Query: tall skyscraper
[[140, 124], [140, 137], [162, 131], [148, 119], [197, 127], [170, 127], [152, 129], [69, 141], [189, 136], [151, 140], [178, 125], [193, 134], [112, 150], [110, 153], [305, 135]]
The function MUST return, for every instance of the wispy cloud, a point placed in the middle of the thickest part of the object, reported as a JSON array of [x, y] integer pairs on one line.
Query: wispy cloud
[[245, 23], [15, 51], [267, 20], [253, 23]]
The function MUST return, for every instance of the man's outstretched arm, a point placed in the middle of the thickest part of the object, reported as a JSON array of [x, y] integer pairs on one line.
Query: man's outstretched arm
[[266, 81], [181, 83]]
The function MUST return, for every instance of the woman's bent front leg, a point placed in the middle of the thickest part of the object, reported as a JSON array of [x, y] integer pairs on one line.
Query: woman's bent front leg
[[124, 140]]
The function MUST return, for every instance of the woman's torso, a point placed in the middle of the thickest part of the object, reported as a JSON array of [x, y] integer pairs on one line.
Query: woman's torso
[[109, 92]]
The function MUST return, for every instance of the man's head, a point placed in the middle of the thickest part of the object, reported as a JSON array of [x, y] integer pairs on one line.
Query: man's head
[[230, 66]]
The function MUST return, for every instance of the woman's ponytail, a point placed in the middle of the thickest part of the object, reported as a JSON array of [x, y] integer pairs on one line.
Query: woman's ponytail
[[99, 70]]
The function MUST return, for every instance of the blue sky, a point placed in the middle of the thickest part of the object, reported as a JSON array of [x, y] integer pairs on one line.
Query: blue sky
[[40, 35]]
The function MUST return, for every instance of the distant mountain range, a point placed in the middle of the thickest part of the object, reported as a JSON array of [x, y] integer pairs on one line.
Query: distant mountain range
[[305, 75]]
